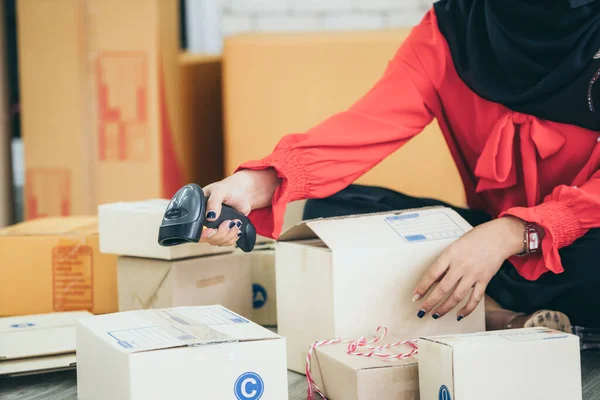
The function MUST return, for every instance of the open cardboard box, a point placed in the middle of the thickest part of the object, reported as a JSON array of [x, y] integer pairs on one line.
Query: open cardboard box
[[343, 277]]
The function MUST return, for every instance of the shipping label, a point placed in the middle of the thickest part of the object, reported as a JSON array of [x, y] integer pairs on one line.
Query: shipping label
[[72, 268], [425, 227]]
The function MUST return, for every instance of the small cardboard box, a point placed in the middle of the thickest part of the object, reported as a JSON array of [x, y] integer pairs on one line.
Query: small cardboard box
[[519, 364], [54, 264], [264, 297], [179, 353], [221, 279], [353, 274], [38, 343], [341, 376], [131, 229]]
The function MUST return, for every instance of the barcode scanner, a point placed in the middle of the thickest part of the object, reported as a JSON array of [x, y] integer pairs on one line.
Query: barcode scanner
[[185, 218]]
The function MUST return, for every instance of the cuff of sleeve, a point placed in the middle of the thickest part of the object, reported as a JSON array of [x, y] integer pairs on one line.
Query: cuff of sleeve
[[561, 229], [294, 186]]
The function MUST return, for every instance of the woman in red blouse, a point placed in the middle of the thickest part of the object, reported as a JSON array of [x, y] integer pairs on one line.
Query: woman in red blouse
[[512, 84]]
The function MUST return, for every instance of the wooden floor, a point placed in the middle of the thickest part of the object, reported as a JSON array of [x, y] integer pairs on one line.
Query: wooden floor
[[62, 385]]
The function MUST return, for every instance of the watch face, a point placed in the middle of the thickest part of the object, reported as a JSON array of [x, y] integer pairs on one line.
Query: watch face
[[534, 242]]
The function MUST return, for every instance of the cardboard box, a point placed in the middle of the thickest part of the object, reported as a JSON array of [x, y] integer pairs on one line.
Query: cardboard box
[[297, 80], [111, 124], [520, 364], [264, 297], [38, 343], [341, 376], [353, 274], [223, 279], [131, 229], [6, 182], [54, 264], [179, 353]]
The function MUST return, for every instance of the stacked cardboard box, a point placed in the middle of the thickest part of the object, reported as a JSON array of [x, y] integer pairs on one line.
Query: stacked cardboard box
[[111, 110], [54, 264], [151, 276]]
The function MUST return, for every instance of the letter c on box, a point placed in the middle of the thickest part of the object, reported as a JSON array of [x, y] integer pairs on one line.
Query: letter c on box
[[249, 386], [444, 393]]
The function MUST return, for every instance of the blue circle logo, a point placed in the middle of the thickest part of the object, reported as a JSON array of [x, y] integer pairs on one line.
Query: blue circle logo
[[259, 296], [23, 325], [444, 393], [249, 386]]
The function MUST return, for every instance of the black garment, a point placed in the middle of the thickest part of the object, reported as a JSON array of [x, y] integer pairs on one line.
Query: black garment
[[576, 292], [532, 56]]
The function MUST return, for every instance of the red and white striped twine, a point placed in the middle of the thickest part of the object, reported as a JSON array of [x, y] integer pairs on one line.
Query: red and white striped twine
[[353, 345]]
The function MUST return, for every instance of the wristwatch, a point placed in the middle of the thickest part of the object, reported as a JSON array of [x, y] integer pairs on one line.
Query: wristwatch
[[532, 240]]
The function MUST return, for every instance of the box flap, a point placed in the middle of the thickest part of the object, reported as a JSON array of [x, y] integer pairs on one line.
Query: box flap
[[37, 365], [381, 230], [82, 225], [339, 352], [38, 335], [499, 338], [144, 330]]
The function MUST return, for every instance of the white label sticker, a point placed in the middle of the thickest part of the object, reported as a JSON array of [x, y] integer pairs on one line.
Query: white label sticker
[[535, 335], [203, 316], [417, 227], [152, 337]]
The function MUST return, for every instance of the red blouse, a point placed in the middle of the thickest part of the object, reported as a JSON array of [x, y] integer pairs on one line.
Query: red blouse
[[510, 163]]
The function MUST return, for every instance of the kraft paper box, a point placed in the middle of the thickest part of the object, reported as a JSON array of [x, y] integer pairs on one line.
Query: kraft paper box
[[131, 229], [221, 279], [179, 353], [107, 99], [54, 264], [348, 377], [356, 273], [264, 297], [331, 70], [519, 364], [38, 343]]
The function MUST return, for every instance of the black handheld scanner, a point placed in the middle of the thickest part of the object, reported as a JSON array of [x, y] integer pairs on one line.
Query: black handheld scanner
[[185, 218]]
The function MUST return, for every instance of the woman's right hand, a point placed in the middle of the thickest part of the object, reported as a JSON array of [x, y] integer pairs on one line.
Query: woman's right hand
[[245, 191]]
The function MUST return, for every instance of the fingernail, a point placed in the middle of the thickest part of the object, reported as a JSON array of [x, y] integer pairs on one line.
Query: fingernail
[[435, 316], [239, 224], [231, 225], [240, 234], [416, 297], [211, 215], [460, 317], [421, 313]]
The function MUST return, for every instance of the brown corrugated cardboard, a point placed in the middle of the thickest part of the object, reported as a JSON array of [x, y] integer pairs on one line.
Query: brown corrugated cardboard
[[276, 84], [111, 124], [6, 183], [352, 274], [518, 364], [38, 343], [224, 279], [54, 264], [264, 298], [179, 353], [341, 376], [131, 229]]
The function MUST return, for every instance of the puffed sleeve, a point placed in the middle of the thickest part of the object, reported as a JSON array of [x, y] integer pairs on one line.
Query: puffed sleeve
[[333, 154]]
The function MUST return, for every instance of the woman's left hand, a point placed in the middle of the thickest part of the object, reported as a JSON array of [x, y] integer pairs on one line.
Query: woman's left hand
[[469, 263]]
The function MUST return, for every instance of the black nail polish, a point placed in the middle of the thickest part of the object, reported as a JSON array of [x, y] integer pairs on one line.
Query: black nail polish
[[240, 234], [421, 313], [211, 215], [231, 225], [239, 224], [459, 317], [435, 316]]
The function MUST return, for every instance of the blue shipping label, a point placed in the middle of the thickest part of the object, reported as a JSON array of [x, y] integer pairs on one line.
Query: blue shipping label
[[425, 227]]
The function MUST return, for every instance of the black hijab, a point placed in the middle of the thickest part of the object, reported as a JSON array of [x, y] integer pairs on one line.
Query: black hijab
[[540, 57]]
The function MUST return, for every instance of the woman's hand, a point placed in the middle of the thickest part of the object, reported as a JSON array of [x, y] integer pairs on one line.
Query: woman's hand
[[469, 263], [245, 191]]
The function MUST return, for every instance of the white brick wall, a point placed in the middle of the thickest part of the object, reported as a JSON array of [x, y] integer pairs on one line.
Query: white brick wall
[[310, 15]]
